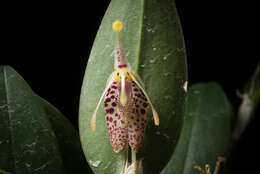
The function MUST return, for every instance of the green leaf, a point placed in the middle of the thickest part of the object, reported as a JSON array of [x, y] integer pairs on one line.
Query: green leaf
[[250, 102], [206, 133], [154, 46], [31, 135], [68, 140], [28, 144]]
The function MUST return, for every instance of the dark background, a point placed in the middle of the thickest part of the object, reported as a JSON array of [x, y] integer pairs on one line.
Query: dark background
[[57, 38]]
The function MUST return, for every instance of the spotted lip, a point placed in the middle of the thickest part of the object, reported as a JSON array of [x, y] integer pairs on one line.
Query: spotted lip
[[126, 124]]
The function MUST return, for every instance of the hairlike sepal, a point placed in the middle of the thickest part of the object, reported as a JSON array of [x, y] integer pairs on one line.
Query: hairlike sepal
[[94, 115], [155, 114]]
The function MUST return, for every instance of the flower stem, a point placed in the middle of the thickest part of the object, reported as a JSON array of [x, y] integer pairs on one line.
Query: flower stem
[[134, 160], [126, 159]]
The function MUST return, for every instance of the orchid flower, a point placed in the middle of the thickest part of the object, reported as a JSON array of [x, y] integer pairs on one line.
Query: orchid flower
[[125, 102]]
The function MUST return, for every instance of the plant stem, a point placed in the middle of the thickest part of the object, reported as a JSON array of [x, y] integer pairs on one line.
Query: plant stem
[[134, 160], [126, 159]]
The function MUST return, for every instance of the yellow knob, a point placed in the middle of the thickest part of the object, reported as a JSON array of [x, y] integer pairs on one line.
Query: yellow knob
[[117, 26]]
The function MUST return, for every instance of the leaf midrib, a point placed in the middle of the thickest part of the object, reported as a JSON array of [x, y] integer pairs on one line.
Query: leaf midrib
[[140, 37], [9, 117]]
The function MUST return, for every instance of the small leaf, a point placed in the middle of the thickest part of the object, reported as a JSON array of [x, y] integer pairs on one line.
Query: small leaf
[[250, 102], [205, 134], [154, 46], [253, 86]]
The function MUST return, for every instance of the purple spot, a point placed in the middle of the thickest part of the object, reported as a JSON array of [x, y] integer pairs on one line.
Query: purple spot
[[114, 104], [115, 122], [107, 118], [111, 110], [112, 92], [139, 95], [122, 66], [145, 105], [135, 123], [112, 97], [130, 126], [122, 121], [142, 111], [114, 87], [135, 89], [137, 120], [137, 106], [108, 100], [105, 104], [111, 119], [116, 114], [132, 117], [107, 111]]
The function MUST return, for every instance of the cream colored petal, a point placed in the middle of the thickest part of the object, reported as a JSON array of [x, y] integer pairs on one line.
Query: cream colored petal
[[155, 114], [93, 118]]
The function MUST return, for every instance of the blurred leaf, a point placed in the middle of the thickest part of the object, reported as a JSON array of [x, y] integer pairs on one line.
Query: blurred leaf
[[250, 102], [3, 172], [253, 86], [205, 134], [154, 46]]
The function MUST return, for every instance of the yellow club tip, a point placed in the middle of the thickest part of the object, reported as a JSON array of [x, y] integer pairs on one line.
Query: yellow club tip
[[117, 26], [93, 122], [155, 117]]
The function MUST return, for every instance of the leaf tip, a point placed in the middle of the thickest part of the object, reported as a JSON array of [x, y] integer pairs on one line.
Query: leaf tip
[[156, 117]]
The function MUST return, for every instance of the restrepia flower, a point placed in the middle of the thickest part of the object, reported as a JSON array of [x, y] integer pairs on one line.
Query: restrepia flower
[[125, 102]]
